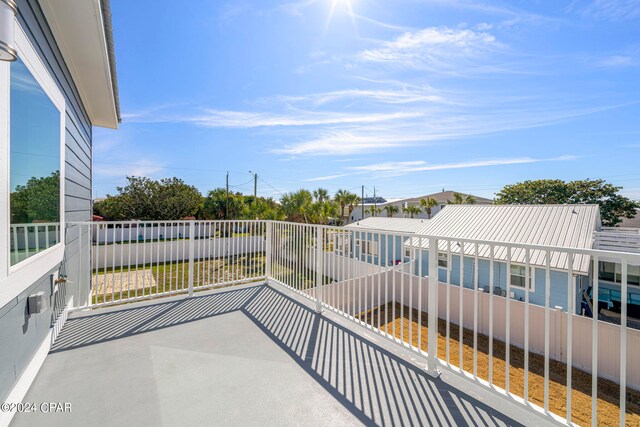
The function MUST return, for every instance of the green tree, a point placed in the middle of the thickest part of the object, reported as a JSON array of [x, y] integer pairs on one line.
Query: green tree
[[412, 210], [297, 205], [374, 210], [352, 201], [391, 210], [462, 199], [428, 204], [321, 195], [215, 205], [146, 199], [613, 206], [342, 199], [263, 208], [176, 200], [36, 201]]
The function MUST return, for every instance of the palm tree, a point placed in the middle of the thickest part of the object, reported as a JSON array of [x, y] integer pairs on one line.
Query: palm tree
[[352, 200], [321, 195], [297, 205], [462, 199], [342, 199], [391, 210], [374, 211], [329, 210], [427, 204], [412, 210]]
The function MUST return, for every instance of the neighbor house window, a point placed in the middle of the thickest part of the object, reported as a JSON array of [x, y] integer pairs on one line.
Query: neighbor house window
[[520, 278], [34, 166], [407, 253], [443, 260], [612, 272], [369, 248]]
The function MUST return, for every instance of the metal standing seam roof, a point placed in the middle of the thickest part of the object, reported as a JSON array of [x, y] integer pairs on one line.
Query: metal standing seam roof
[[401, 225], [567, 226]]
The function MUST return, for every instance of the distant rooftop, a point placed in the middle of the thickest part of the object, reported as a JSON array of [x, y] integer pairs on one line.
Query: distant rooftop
[[402, 225], [443, 197], [631, 222]]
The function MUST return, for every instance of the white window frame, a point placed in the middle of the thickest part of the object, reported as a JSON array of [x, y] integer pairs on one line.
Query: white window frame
[[529, 277], [17, 278], [369, 247], [617, 273], [443, 256]]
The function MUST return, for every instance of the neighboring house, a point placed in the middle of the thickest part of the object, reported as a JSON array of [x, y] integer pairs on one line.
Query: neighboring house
[[442, 198], [565, 226], [631, 222], [61, 85], [380, 241]]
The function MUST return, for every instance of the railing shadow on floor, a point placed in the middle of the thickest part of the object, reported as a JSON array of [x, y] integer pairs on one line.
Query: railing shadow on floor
[[375, 385]]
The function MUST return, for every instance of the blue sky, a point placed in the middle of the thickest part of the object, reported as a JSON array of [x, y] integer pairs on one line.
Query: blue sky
[[407, 96]]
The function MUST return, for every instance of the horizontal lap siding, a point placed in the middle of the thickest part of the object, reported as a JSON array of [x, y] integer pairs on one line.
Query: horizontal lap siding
[[21, 334], [558, 288]]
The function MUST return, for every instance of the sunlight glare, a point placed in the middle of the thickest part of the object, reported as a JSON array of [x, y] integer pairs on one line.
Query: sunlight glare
[[345, 3]]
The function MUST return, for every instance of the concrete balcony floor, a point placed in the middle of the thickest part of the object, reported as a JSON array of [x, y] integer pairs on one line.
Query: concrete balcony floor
[[250, 355]]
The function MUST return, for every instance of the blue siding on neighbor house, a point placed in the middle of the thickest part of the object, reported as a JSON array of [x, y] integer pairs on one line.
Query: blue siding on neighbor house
[[558, 289], [390, 248], [21, 334]]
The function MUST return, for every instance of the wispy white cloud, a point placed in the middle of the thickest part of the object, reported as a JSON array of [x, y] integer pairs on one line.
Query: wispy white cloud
[[386, 96], [617, 61], [614, 10], [344, 143], [434, 47], [436, 126], [326, 178], [403, 168], [244, 119]]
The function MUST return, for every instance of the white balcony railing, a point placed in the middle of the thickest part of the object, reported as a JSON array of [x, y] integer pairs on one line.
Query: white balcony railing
[[531, 344], [29, 239]]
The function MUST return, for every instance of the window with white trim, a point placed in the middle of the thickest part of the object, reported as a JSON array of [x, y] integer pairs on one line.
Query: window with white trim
[[32, 132], [520, 277], [370, 248], [34, 181], [612, 272], [443, 260]]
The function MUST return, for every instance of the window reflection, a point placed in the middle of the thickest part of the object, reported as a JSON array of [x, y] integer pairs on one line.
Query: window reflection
[[34, 167]]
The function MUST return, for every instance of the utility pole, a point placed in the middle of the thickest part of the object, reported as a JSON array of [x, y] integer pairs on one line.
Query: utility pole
[[375, 202], [226, 209], [362, 203], [255, 186]]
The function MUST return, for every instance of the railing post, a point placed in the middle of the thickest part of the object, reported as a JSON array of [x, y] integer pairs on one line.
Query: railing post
[[268, 248], [318, 269], [192, 248], [432, 356]]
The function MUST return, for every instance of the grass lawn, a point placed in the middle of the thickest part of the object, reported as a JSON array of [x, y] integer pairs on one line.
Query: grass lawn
[[142, 280], [608, 391], [299, 278]]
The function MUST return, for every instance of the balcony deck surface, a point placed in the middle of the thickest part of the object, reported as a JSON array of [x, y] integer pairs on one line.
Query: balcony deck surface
[[251, 355]]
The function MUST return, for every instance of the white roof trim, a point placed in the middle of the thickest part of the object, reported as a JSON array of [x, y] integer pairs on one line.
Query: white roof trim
[[78, 28]]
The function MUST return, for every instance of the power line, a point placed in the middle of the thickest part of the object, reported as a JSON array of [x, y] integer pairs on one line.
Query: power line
[[271, 186]]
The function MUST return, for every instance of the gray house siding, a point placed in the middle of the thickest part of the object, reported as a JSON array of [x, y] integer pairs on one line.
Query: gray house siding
[[20, 334]]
